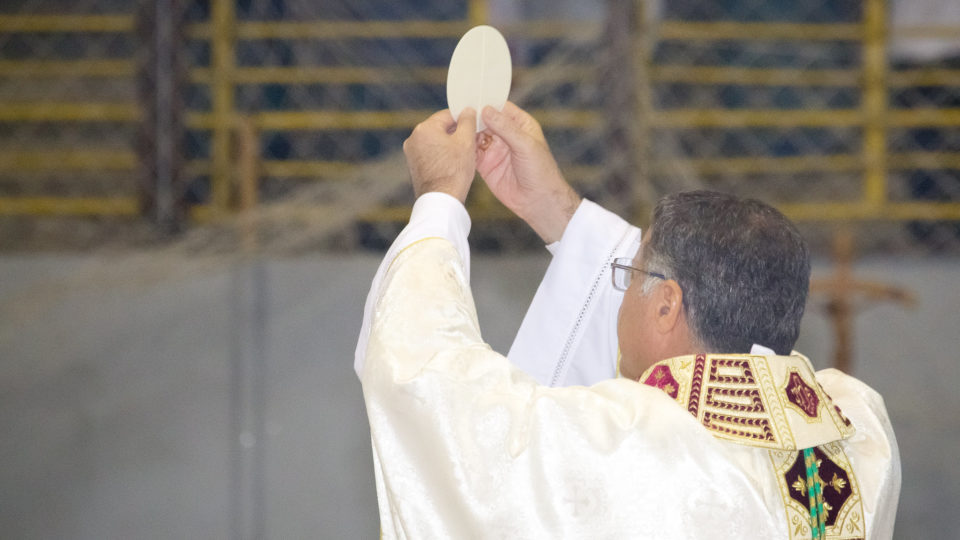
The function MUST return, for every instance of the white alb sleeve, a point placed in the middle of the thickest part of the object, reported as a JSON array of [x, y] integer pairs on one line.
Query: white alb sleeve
[[569, 334], [434, 215]]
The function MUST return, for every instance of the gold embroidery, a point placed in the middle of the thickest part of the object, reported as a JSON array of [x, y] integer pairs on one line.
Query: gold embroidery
[[837, 483], [744, 398], [847, 519], [799, 485]]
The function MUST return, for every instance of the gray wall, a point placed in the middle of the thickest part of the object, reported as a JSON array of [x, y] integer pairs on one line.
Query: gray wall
[[119, 392]]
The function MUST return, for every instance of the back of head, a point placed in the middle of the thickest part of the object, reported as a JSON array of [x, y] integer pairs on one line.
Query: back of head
[[743, 267]]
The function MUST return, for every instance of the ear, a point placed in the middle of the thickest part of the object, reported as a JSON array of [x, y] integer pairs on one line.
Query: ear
[[669, 306]]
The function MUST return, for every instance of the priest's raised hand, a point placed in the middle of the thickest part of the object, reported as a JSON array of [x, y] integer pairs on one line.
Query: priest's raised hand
[[441, 154], [516, 163]]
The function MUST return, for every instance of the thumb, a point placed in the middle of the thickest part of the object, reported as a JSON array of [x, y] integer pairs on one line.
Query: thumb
[[467, 124], [501, 125]]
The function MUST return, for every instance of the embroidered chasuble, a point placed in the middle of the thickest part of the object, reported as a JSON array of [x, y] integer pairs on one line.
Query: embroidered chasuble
[[466, 445]]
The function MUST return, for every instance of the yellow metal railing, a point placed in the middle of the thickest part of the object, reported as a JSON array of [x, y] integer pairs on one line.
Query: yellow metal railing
[[872, 79]]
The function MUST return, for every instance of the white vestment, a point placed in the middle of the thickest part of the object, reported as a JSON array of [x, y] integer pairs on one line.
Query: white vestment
[[465, 445]]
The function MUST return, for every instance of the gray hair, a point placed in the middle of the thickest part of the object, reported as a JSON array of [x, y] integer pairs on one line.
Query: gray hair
[[743, 267]]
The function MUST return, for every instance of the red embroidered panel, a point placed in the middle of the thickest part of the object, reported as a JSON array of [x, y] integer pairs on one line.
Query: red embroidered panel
[[729, 424], [662, 378], [743, 366], [802, 395], [836, 487], [696, 385], [716, 398]]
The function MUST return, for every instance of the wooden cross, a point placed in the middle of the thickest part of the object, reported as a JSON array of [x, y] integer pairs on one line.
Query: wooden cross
[[841, 290]]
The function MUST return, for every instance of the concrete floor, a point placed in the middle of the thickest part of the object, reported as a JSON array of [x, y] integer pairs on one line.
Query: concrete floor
[[218, 400]]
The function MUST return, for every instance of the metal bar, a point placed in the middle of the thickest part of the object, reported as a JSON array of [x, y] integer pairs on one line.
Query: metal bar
[[327, 75], [689, 118], [67, 160], [859, 211], [577, 173], [923, 160], [337, 170], [347, 120], [923, 117], [567, 30], [926, 32], [816, 211], [478, 12], [307, 169], [758, 31], [909, 211], [755, 76], [69, 112], [223, 17], [60, 206], [376, 75], [64, 68], [923, 77], [327, 29], [874, 102], [351, 29], [351, 120], [761, 165], [66, 23]]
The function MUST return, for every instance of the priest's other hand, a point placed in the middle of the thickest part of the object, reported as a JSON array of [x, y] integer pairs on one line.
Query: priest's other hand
[[441, 154], [516, 163]]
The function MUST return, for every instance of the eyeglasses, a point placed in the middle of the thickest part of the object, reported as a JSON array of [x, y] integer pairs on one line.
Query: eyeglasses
[[622, 273]]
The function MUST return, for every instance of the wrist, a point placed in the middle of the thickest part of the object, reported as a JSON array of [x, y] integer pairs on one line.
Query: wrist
[[448, 187], [552, 220]]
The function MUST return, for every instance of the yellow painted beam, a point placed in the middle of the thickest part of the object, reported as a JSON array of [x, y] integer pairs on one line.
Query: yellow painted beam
[[754, 76], [909, 211], [741, 31], [808, 212], [401, 213], [327, 75], [327, 29], [554, 29], [67, 68], [398, 119], [223, 60], [68, 112], [926, 31], [923, 77], [568, 118], [478, 12], [375, 75], [761, 165], [874, 102], [924, 160], [690, 118], [350, 29], [307, 169], [861, 211], [62, 206], [927, 117], [67, 160], [66, 23], [334, 119]]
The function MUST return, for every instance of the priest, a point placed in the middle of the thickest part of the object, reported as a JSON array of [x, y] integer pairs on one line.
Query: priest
[[711, 427]]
